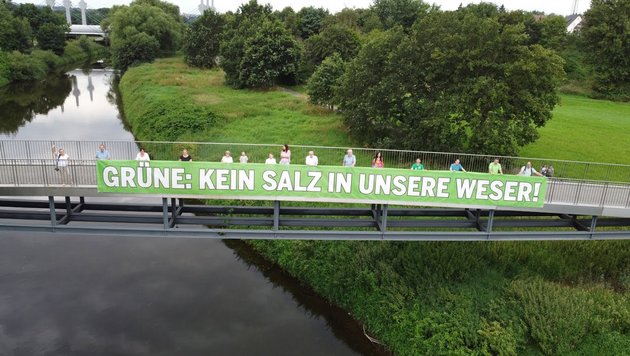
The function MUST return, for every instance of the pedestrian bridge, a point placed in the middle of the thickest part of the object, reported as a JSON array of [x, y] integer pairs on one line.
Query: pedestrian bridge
[[583, 200]]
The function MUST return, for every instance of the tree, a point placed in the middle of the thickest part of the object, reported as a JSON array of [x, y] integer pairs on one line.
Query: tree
[[457, 82], [202, 40], [270, 56], [606, 35], [15, 33], [310, 20], [126, 23], [239, 27], [333, 39], [257, 50], [398, 12], [323, 84], [52, 37], [290, 20]]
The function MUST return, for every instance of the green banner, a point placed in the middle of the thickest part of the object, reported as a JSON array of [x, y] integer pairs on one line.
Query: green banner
[[209, 180]]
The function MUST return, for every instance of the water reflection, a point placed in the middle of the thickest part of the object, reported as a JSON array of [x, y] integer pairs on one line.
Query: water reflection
[[19, 103], [58, 108]]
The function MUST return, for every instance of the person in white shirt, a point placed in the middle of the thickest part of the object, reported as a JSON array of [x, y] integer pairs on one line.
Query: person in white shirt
[[270, 159], [227, 158], [61, 163], [243, 158], [528, 170], [142, 155], [311, 159]]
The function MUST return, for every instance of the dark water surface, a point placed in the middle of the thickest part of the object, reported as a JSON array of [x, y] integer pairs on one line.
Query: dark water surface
[[107, 295]]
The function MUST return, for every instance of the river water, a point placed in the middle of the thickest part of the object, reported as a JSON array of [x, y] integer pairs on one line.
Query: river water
[[108, 295]]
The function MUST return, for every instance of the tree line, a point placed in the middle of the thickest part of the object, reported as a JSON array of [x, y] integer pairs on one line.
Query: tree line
[[33, 43], [403, 73]]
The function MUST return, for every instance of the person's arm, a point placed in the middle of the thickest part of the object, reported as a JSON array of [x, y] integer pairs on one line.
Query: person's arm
[[520, 173], [534, 172], [500, 170], [354, 161], [451, 168], [462, 167], [490, 169]]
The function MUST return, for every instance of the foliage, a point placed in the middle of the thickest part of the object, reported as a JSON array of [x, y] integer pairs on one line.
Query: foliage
[[417, 297], [4, 69], [202, 40], [15, 33], [310, 20], [257, 51], [605, 34], [403, 13], [143, 31], [323, 84], [25, 67], [271, 55], [467, 83], [39, 16], [52, 37], [290, 20], [333, 39]]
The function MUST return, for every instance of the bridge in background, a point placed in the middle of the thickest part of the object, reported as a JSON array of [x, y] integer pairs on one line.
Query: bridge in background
[[584, 200]]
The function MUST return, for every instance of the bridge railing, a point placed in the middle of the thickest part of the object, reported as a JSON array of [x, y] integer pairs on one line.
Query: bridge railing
[[81, 173], [212, 152]]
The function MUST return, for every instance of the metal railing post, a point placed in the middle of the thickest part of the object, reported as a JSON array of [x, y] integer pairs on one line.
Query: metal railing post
[[165, 213], [276, 215]]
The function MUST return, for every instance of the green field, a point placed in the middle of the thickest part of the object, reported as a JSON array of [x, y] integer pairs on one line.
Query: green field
[[584, 129], [243, 116], [429, 298]]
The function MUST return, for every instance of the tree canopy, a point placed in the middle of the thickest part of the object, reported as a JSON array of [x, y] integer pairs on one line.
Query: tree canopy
[[459, 81], [202, 40], [145, 21], [257, 50], [606, 34]]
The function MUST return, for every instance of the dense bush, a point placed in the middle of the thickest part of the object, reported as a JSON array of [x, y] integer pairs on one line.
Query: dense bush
[[158, 111], [4, 69], [25, 67], [323, 84], [52, 37]]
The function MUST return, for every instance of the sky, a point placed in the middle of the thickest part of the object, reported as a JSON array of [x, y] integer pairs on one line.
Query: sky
[[560, 7]]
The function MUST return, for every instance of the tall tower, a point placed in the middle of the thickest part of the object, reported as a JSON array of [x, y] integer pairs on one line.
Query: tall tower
[[50, 3], [68, 4], [574, 9], [83, 6]]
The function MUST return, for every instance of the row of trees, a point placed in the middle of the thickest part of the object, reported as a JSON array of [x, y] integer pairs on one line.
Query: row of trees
[[26, 26], [403, 73]]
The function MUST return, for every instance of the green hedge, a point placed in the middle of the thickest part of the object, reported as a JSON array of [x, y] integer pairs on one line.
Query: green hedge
[[17, 66]]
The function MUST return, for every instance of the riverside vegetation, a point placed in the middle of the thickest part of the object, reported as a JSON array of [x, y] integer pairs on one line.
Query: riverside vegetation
[[461, 298]]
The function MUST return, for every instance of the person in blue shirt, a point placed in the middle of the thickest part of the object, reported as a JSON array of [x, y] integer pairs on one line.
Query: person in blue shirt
[[457, 167], [102, 153], [349, 160]]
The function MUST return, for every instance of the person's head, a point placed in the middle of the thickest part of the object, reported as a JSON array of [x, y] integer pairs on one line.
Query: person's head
[[349, 152], [496, 161], [285, 147], [243, 154], [227, 153], [529, 164], [61, 151], [418, 160], [457, 161], [270, 155], [101, 147], [185, 152], [311, 153], [142, 150], [378, 155]]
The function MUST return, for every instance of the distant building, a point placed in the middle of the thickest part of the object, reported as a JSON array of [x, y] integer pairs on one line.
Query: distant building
[[574, 22]]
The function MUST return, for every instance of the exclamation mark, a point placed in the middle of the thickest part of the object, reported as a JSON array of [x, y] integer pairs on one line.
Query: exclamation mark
[[536, 191]]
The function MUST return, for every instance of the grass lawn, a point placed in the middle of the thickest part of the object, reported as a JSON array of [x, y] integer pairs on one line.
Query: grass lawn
[[584, 129], [245, 116]]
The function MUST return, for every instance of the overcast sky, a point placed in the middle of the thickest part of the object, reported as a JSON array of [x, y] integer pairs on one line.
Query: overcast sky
[[561, 7]]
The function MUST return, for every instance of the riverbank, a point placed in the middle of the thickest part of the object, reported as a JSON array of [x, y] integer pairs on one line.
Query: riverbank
[[16, 66], [418, 298]]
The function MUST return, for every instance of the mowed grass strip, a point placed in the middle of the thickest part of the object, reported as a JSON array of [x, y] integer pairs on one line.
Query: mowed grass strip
[[244, 116], [584, 129]]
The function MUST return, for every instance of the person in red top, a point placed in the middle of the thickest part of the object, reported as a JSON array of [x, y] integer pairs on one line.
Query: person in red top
[[377, 162]]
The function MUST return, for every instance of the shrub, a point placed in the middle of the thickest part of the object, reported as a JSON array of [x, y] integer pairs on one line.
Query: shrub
[[25, 67]]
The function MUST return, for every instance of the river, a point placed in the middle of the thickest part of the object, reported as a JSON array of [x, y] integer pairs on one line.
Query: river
[[108, 295]]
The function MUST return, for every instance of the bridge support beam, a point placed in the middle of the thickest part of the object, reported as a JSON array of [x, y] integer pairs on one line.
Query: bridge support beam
[[276, 215], [53, 213]]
